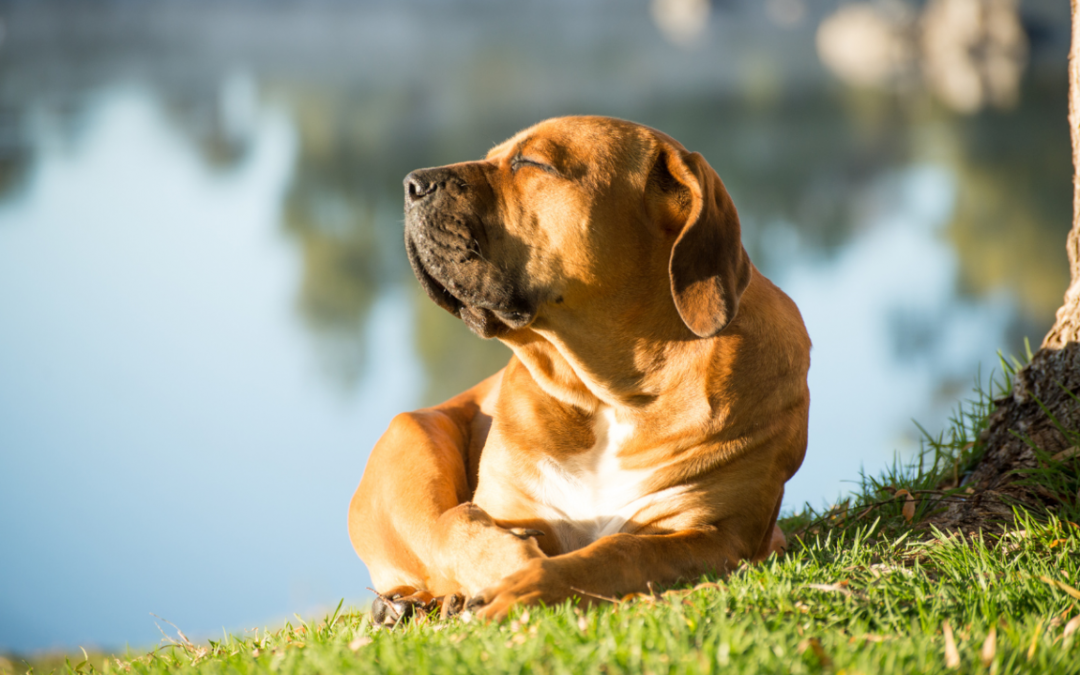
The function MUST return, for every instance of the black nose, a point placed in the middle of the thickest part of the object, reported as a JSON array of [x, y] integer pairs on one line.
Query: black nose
[[418, 186]]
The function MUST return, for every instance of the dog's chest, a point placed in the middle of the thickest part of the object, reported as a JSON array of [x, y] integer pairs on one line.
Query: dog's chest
[[590, 495]]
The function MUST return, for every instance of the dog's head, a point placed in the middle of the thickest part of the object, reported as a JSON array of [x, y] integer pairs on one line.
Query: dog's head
[[571, 215]]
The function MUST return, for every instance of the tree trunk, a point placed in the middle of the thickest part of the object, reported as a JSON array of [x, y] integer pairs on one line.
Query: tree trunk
[[1067, 327], [1053, 369]]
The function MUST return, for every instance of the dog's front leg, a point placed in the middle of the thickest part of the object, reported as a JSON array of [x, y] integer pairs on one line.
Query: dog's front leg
[[614, 566], [410, 519]]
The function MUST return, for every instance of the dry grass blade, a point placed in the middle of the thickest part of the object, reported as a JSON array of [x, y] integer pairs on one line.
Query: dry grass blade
[[614, 601], [873, 637], [1067, 453], [831, 588], [1034, 640], [359, 641], [1072, 626], [814, 645], [952, 655], [908, 509], [989, 648], [1063, 586], [185, 643]]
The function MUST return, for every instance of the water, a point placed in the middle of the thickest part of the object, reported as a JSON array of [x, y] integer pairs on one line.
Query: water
[[207, 318]]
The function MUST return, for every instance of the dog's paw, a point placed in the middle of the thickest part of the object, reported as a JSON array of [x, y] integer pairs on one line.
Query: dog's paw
[[472, 552], [402, 604], [537, 582]]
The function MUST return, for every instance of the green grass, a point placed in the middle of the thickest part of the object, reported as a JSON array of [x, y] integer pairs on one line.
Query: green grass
[[854, 603], [862, 589]]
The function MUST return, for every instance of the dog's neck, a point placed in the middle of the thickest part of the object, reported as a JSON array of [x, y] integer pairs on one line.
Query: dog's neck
[[587, 371]]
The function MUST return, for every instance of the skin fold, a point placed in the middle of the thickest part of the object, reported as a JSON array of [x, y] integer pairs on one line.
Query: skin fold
[[656, 401]]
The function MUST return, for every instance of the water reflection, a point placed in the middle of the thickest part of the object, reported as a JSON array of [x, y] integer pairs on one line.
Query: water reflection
[[969, 53], [343, 208], [331, 218], [209, 318], [14, 155]]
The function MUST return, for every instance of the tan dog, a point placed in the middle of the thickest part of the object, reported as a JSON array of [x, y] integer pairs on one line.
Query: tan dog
[[656, 401]]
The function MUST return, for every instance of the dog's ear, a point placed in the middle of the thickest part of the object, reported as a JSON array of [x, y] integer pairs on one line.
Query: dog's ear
[[709, 268]]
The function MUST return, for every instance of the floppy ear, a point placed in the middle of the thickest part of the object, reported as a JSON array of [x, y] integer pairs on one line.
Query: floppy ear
[[709, 268]]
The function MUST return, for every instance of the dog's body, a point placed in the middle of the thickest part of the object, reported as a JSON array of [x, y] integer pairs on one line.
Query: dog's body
[[654, 407]]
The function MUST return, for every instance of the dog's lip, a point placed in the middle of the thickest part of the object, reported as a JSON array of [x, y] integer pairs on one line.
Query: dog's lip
[[482, 321], [485, 318], [437, 291]]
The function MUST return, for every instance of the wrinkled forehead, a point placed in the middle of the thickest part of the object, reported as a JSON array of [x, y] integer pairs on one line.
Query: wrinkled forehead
[[601, 142]]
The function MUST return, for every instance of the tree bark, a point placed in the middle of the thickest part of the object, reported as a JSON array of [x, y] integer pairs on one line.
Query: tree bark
[[1067, 326], [1054, 370]]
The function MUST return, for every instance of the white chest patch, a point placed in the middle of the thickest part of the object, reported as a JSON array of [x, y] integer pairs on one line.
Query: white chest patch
[[590, 495]]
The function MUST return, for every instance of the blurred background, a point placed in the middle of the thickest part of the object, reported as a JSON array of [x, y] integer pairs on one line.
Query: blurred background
[[207, 317]]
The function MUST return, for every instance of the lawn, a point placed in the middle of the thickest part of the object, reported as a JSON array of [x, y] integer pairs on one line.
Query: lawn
[[868, 586]]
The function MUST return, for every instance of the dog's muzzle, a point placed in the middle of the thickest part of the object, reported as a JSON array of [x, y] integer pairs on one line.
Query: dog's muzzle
[[444, 235]]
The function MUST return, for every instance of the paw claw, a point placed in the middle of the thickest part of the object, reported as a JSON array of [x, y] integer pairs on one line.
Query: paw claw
[[525, 532], [378, 611], [452, 605]]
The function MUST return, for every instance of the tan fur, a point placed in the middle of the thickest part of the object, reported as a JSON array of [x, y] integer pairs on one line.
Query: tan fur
[[661, 374]]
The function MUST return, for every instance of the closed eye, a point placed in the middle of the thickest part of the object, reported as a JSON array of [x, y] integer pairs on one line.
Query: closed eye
[[518, 161]]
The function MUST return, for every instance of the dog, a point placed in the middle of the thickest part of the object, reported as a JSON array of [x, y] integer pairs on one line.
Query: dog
[[656, 401]]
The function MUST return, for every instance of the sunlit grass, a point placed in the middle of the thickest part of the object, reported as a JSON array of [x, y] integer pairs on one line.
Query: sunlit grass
[[856, 602], [866, 587], [926, 483]]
